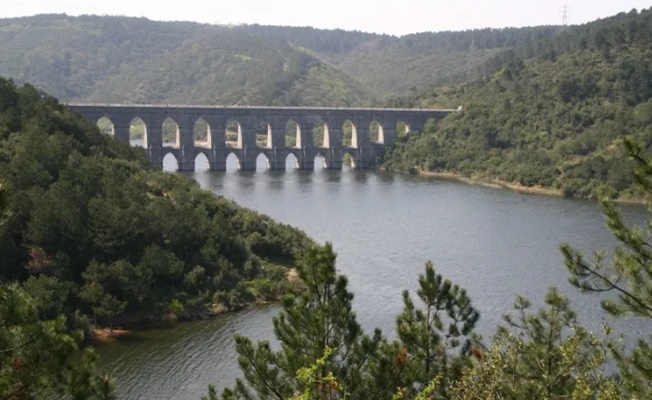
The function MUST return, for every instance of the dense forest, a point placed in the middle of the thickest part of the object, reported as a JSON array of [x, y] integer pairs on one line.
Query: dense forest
[[93, 236], [135, 60], [393, 67], [554, 113]]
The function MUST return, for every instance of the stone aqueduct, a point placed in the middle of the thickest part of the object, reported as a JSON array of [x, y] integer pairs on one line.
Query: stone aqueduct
[[363, 150]]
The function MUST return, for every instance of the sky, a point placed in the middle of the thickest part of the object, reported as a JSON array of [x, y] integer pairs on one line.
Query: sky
[[396, 17]]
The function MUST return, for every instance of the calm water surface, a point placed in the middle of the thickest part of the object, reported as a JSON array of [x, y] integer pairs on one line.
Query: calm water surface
[[495, 243]]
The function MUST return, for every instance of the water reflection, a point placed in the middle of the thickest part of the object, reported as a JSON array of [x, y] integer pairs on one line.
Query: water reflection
[[304, 177], [276, 180], [386, 177], [361, 176]]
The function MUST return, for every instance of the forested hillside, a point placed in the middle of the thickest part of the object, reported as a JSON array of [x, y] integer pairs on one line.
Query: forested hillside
[[135, 60], [92, 228], [554, 114], [393, 67]]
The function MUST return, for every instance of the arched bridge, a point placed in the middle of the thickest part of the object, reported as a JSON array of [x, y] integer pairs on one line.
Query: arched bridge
[[247, 132]]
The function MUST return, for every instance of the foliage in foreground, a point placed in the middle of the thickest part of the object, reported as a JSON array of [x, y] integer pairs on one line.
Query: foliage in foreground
[[542, 355], [629, 276], [38, 357], [37, 354], [325, 355]]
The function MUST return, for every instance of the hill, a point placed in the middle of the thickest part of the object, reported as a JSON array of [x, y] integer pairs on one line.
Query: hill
[[92, 228], [391, 67], [135, 60], [553, 114]]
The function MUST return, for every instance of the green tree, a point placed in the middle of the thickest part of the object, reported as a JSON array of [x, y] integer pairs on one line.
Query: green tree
[[547, 352], [629, 275], [320, 319], [542, 355], [437, 338], [37, 355], [4, 209]]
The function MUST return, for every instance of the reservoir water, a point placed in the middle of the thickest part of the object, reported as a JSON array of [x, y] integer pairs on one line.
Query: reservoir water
[[384, 227]]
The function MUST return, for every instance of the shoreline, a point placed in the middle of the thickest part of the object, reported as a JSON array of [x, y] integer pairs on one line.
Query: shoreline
[[102, 335], [517, 187], [494, 184]]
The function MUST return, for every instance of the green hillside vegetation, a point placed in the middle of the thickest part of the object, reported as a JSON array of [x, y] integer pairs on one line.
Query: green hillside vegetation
[[555, 119], [392, 67], [92, 229], [134, 60]]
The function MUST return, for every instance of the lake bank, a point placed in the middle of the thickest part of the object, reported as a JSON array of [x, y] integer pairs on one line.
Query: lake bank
[[516, 187], [134, 323]]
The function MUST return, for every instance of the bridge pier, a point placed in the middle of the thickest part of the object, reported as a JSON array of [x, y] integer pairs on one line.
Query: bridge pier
[[187, 159], [187, 166], [334, 164], [247, 166], [248, 159], [366, 157], [276, 164], [217, 159], [121, 131], [155, 157], [217, 166]]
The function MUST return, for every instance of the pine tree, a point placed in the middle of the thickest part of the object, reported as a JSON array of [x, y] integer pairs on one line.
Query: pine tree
[[629, 276], [37, 356], [317, 325], [436, 339], [547, 353]]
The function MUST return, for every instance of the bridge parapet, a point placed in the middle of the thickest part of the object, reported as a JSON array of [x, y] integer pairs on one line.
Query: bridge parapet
[[247, 149]]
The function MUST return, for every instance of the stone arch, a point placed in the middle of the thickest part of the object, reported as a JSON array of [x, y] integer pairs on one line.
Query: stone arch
[[105, 125], [170, 133], [291, 161], [233, 134], [138, 132], [201, 133], [292, 134], [233, 161], [202, 162], [170, 161], [262, 162], [376, 132], [320, 134], [349, 134], [321, 160], [263, 134], [350, 158], [402, 128]]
